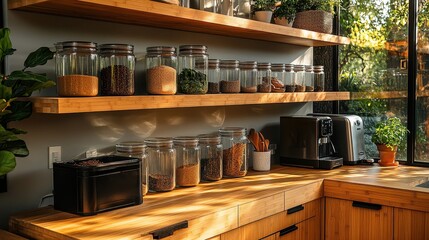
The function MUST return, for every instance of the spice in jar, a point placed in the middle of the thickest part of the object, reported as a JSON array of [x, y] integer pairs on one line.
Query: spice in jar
[[233, 160], [162, 80], [192, 82], [117, 80], [193, 69], [230, 86], [211, 157], [77, 85], [187, 161], [161, 183], [188, 175]]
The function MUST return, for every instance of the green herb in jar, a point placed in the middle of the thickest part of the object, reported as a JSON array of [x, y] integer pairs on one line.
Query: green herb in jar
[[192, 82]]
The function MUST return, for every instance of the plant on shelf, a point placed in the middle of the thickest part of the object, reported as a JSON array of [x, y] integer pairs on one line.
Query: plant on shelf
[[19, 83], [315, 15], [388, 135], [285, 12], [263, 10]]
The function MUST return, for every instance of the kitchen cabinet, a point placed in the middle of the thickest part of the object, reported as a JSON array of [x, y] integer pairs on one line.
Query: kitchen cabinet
[[410, 224], [347, 219], [155, 14]]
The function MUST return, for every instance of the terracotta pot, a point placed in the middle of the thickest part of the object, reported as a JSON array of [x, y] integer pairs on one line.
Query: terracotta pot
[[263, 16], [314, 20], [387, 156], [283, 21]]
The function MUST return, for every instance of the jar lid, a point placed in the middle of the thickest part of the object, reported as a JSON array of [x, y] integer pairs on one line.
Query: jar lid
[[196, 49], [229, 63], [308, 68], [185, 140], [114, 47], [209, 138], [299, 67], [76, 44], [318, 67], [160, 50], [232, 131], [213, 63], [131, 147], [278, 66], [158, 141], [248, 64], [264, 65]]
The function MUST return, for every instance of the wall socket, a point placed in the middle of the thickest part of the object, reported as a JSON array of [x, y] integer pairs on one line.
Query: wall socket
[[91, 153], [54, 155]]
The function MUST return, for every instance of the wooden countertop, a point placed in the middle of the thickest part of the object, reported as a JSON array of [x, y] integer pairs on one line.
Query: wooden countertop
[[232, 202]]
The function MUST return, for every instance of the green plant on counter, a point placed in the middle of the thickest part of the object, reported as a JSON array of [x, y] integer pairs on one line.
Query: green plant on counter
[[390, 132], [286, 9], [20, 83], [192, 82], [325, 5], [263, 5]]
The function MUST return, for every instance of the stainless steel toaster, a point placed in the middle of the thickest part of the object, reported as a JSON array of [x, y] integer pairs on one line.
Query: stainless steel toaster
[[348, 137]]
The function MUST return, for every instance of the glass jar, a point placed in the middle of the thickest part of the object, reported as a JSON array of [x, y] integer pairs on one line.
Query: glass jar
[[117, 65], [248, 77], [242, 8], [161, 157], [213, 76], [211, 157], [299, 78], [289, 78], [278, 77], [193, 79], [136, 150], [76, 69], [230, 76], [264, 77], [234, 142], [309, 78], [211, 6], [161, 74], [187, 161], [319, 79]]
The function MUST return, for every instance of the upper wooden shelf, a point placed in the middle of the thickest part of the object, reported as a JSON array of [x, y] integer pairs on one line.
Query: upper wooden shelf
[[155, 14], [59, 105], [385, 94]]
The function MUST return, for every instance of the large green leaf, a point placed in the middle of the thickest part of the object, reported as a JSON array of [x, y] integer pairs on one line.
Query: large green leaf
[[7, 162], [24, 83], [5, 43], [20, 110], [17, 147], [5, 92], [7, 136], [38, 57]]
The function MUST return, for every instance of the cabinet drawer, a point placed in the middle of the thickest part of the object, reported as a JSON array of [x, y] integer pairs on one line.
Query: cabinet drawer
[[306, 230], [270, 225]]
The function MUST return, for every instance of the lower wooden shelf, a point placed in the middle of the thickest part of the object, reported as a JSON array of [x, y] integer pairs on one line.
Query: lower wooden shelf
[[61, 105]]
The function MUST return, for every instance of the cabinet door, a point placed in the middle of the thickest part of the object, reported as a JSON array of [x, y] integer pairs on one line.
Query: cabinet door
[[271, 237], [357, 220], [306, 230], [409, 224]]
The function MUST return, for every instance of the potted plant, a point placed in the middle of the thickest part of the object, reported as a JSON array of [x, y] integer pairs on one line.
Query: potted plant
[[263, 10], [315, 15], [388, 135], [18, 84], [284, 13]]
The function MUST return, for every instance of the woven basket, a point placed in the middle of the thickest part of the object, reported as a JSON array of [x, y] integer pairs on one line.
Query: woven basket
[[314, 20]]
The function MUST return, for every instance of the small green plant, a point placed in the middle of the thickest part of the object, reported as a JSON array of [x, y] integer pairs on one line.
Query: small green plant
[[286, 9], [390, 132], [306, 5], [263, 5], [20, 83]]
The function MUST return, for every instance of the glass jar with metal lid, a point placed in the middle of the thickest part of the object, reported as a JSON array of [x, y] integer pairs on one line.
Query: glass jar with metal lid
[[230, 76], [248, 76], [187, 161], [137, 150], [76, 69], [117, 65], [289, 78], [319, 79], [299, 78], [161, 74], [234, 142], [192, 79], [211, 157], [278, 77], [161, 157], [309, 78], [264, 77], [213, 75]]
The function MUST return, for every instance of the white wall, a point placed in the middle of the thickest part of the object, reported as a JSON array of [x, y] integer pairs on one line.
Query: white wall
[[77, 133]]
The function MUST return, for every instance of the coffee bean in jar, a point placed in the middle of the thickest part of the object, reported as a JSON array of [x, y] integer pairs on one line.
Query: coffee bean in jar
[[211, 157]]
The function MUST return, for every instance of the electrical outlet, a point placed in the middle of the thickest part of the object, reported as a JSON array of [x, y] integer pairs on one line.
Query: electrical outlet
[[54, 155], [91, 153]]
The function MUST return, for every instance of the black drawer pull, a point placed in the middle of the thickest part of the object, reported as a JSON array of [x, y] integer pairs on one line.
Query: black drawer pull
[[168, 231], [288, 230], [366, 205], [295, 209]]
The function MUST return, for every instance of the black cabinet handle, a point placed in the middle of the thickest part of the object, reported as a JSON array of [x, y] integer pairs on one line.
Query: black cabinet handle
[[288, 230], [295, 209], [168, 231], [366, 205]]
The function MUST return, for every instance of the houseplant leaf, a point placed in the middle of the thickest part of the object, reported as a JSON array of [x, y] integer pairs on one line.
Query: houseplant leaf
[[38, 57], [7, 162], [24, 83], [5, 43], [17, 147], [5, 92], [19, 110]]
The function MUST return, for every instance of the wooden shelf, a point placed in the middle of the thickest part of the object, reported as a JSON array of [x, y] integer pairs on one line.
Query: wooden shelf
[[155, 14], [379, 95], [60, 105]]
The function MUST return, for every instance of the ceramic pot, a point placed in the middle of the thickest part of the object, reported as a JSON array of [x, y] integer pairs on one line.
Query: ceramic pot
[[387, 156], [314, 20], [262, 161], [263, 16], [283, 21]]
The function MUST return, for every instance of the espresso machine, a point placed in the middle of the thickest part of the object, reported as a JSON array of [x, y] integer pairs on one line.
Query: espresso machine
[[306, 141]]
